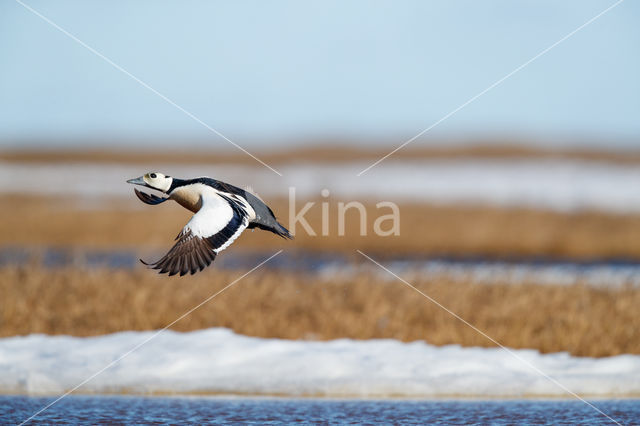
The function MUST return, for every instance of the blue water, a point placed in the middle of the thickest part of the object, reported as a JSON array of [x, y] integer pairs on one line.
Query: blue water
[[203, 410], [600, 272], [302, 261]]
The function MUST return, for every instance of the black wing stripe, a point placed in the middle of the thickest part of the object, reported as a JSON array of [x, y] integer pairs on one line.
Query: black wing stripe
[[237, 220], [219, 239]]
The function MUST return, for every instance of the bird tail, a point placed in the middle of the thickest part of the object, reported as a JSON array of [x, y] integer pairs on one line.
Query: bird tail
[[282, 231], [275, 227]]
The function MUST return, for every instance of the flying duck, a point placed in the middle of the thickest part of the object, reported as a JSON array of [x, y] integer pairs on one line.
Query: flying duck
[[222, 212]]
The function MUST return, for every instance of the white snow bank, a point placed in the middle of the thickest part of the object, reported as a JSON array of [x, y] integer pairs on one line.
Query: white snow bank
[[219, 361], [558, 184]]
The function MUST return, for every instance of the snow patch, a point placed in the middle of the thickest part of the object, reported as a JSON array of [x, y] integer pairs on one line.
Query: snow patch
[[556, 184], [218, 361]]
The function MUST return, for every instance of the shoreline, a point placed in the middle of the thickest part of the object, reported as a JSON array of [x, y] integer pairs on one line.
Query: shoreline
[[170, 394]]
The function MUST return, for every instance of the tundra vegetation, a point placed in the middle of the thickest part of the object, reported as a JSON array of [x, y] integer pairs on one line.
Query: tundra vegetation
[[579, 319]]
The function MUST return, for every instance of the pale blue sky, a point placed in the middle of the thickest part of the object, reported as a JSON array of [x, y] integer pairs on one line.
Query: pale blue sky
[[280, 72]]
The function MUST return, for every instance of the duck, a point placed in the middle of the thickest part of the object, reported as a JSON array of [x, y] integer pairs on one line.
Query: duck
[[222, 212]]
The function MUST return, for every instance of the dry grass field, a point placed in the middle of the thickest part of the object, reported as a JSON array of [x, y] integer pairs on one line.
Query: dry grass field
[[322, 151], [424, 230], [581, 320]]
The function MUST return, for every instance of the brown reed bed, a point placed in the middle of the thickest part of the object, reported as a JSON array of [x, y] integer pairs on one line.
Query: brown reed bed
[[424, 229], [582, 320]]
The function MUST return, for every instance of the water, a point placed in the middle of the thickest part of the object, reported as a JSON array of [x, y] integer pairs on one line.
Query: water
[[597, 272], [215, 410]]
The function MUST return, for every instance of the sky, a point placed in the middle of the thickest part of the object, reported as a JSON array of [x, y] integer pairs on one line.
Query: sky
[[285, 72]]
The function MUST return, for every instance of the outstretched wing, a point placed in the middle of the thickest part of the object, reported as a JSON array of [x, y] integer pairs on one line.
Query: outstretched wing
[[213, 228], [149, 198]]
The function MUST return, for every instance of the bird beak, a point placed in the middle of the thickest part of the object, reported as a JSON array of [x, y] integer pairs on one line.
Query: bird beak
[[138, 181]]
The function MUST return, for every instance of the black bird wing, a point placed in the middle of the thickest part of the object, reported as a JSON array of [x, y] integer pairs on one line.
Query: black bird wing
[[149, 198], [213, 228]]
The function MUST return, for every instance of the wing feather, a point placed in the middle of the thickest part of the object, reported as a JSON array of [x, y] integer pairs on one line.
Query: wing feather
[[149, 198], [212, 229]]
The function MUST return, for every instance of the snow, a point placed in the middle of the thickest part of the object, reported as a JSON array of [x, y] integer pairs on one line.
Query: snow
[[218, 361], [557, 184]]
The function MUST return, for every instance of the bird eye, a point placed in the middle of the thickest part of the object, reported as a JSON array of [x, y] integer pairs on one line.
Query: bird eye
[[152, 176]]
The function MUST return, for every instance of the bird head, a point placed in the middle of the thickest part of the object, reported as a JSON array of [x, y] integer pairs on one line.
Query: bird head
[[153, 180]]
